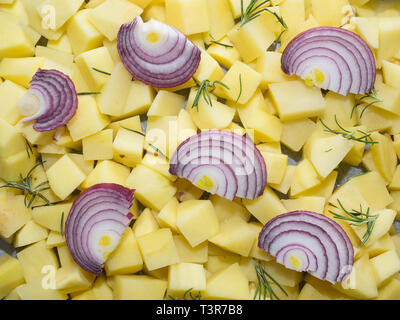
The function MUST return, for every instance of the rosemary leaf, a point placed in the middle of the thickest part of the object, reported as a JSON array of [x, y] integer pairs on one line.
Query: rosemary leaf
[[240, 88], [205, 88], [213, 41], [62, 224], [101, 71], [263, 284], [254, 10], [87, 93], [375, 99]]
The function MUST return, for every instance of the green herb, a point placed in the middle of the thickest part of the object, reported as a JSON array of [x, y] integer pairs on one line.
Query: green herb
[[358, 218], [25, 184], [220, 43], [87, 93], [329, 150], [240, 88], [186, 295], [277, 43], [205, 88], [62, 224], [350, 135], [254, 10], [101, 71], [263, 284], [372, 95], [28, 148], [151, 145]]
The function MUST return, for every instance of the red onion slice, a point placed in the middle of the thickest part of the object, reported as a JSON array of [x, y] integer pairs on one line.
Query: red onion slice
[[96, 223], [51, 100], [308, 241], [331, 58], [157, 54], [221, 162]]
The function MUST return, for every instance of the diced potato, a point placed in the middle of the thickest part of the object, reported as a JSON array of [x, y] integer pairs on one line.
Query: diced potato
[[50, 216], [82, 35], [111, 14], [185, 276], [139, 99], [33, 136], [295, 100], [384, 155], [314, 204], [168, 215], [155, 11], [79, 127], [64, 177], [224, 55], [265, 207], [385, 265], [158, 249], [305, 177], [138, 287], [132, 123], [368, 29], [329, 13], [382, 245], [146, 223], [315, 289], [269, 66], [338, 108], [112, 99], [34, 290], [10, 93], [20, 70], [197, 221], [61, 44], [30, 233], [152, 189], [13, 215], [128, 147], [276, 166], [98, 146], [229, 283], [73, 279], [281, 274], [391, 291], [107, 172], [220, 19], [391, 74], [33, 258], [158, 163], [11, 275], [166, 104], [242, 82], [161, 133], [389, 35], [187, 253], [291, 139], [55, 239], [98, 58], [286, 182], [226, 209], [126, 258], [235, 235], [189, 16], [208, 69]]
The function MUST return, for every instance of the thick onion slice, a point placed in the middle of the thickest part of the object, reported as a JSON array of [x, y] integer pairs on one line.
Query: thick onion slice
[[96, 223], [157, 54], [51, 100], [333, 59], [308, 241], [221, 162]]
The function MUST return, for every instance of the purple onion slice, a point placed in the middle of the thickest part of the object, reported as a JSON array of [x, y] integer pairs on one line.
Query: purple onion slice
[[333, 59], [308, 241], [221, 162], [96, 222], [51, 100], [157, 54]]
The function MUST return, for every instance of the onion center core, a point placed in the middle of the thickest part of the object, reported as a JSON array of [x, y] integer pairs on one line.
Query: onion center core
[[205, 183], [315, 78], [153, 37]]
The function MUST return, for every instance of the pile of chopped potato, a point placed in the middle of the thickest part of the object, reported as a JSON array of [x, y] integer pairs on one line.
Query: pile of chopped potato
[[181, 239]]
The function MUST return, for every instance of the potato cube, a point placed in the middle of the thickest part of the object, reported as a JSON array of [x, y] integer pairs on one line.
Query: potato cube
[[189, 16], [128, 147], [34, 290], [158, 163], [368, 29], [265, 207], [390, 291], [30, 233], [55, 239], [242, 82], [340, 108], [276, 166], [294, 100], [286, 182], [11, 275], [185, 276], [64, 177], [218, 263], [385, 265], [226, 209], [187, 253], [13, 215], [389, 35], [10, 93], [132, 123], [20, 70], [82, 35], [126, 258], [50, 216], [224, 55], [98, 146], [197, 221], [152, 189], [161, 134], [208, 69], [138, 287], [158, 249], [220, 19], [139, 99], [168, 215], [98, 58], [291, 139], [112, 99], [235, 235], [32, 259], [107, 172], [166, 104], [269, 66], [391, 74], [390, 97], [305, 177], [229, 283], [282, 275], [382, 245], [146, 223], [73, 279], [18, 164], [111, 14], [384, 155], [155, 11], [329, 13]]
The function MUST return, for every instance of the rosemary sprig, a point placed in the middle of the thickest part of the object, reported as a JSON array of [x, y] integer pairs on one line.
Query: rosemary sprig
[[151, 145], [277, 43], [350, 135], [254, 10], [28, 148], [240, 88], [358, 218], [263, 285], [101, 71], [186, 295], [62, 224], [25, 184], [375, 99], [205, 88], [87, 93], [220, 43]]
